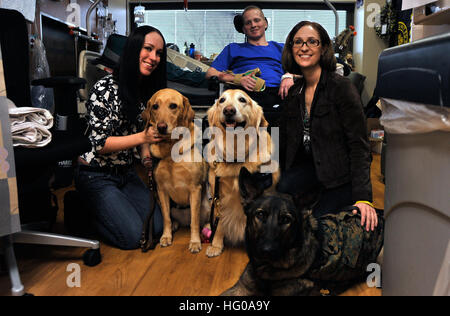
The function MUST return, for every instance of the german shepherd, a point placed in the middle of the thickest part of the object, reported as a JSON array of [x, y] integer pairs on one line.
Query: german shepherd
[[292, 253]]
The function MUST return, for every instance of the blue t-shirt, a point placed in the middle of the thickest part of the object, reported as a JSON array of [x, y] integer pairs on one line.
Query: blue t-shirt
[[242, 57]]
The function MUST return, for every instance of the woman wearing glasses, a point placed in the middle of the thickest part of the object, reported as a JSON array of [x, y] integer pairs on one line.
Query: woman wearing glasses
[[324, 144]]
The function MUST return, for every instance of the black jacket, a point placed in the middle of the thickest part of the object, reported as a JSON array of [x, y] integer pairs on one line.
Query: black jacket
[[339, 141]]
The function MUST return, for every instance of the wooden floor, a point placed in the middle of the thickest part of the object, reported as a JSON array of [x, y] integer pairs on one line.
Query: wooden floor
[[171, 271]]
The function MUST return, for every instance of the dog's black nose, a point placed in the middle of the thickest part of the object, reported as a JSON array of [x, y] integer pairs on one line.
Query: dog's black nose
[[162, 128], [268, 250], [229, 111]]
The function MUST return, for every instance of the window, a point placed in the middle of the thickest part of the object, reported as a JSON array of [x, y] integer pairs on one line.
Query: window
[[211, 30]]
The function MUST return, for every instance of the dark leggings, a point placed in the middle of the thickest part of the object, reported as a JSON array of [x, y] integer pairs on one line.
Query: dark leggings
[[302, 179]]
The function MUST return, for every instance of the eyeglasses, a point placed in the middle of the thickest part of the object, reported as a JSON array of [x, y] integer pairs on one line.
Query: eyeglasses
[[298, 43]]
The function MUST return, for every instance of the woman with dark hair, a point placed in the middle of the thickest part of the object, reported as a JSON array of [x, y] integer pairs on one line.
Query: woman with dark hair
[[324, 143], [119, 200], [135, 83]]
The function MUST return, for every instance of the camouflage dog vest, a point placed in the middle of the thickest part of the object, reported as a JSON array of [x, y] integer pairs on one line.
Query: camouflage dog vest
[[346, 247]]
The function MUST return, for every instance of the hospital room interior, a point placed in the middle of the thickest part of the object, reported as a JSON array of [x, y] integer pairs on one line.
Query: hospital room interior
[[59, 59]]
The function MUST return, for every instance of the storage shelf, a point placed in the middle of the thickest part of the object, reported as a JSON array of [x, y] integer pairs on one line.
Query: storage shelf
[[438, 18]]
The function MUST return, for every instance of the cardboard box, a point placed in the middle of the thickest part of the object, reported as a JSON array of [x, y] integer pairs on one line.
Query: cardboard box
[[423, 31], [376, 144], [377, 133], [373, 124]]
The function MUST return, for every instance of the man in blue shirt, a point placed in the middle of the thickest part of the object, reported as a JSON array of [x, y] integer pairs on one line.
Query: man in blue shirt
[[257, 52], [242, 57]]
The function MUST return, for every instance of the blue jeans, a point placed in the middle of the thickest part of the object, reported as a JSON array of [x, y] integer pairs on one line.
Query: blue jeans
[[120, 203]]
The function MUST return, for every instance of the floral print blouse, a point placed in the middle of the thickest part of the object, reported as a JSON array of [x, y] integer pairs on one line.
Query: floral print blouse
[[106, 118]]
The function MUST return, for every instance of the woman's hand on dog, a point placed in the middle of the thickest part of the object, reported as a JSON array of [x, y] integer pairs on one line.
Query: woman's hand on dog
[[151, 135], [368, 216]]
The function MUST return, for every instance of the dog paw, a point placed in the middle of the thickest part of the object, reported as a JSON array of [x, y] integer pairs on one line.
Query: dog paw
[[212, 251], [165, 241], [195, 246]]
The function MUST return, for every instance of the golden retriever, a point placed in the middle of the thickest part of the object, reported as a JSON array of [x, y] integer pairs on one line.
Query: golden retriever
[[182, 181], [236, 112]]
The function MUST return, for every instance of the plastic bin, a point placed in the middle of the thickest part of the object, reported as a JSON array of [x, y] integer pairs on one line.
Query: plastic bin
[[416, 119], [417, 210]]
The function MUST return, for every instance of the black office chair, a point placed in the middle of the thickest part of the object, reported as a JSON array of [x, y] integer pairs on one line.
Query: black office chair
[[34, 166], [358, 80]]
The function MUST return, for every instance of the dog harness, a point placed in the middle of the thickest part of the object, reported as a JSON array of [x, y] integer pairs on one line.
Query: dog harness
[[148, 241], [264, 178]]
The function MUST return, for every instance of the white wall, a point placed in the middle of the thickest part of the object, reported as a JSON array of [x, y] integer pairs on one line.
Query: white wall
[[118, 8], [367, 47]]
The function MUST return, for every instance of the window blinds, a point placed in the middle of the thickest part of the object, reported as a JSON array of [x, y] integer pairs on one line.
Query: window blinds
[[211, 30]]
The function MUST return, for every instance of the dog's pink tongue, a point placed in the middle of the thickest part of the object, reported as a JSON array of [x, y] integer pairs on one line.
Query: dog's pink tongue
[[233, 125]]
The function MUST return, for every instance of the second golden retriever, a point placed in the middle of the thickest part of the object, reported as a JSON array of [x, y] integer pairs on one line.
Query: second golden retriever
[[234, 114], [182, 181]]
